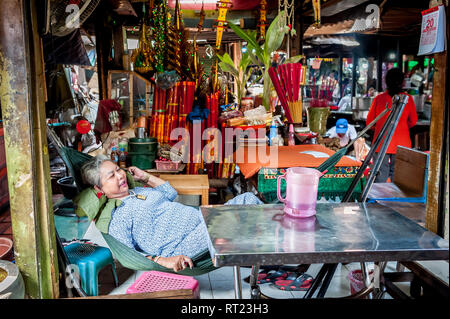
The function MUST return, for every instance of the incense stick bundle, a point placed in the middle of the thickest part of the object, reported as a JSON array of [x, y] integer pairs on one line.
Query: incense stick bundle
[[286, 79], [296, 109]]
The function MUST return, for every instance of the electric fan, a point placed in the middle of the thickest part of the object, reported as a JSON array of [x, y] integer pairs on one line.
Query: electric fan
[[67, 15]]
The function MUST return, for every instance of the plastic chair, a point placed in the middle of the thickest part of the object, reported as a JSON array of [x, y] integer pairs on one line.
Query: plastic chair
[[90, 260]]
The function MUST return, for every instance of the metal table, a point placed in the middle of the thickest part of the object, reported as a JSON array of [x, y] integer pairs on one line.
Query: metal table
[[253, 235]]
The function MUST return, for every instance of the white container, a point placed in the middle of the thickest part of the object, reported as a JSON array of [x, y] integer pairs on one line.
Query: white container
[[12, 287]]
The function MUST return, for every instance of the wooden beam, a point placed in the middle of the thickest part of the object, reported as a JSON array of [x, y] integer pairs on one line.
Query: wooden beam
[[23, 110], [437, 149], [103, 39], [166, 294]]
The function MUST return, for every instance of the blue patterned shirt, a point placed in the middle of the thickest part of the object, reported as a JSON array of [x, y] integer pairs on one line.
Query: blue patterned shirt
[[158, 226]]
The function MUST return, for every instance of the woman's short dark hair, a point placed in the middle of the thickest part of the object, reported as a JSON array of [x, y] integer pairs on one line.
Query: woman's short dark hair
[[394, 81]]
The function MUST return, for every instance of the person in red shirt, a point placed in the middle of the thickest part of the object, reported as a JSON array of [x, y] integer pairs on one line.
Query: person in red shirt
[[394, 83]]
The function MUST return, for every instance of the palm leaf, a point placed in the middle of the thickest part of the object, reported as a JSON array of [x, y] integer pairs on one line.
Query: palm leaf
[[247, 37], [274, 37]]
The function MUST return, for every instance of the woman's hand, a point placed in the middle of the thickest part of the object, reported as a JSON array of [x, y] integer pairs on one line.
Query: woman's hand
[[138, 174], [177, 263]]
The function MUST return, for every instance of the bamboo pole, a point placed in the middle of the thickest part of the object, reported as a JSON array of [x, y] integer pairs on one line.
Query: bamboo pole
[[23, 108]]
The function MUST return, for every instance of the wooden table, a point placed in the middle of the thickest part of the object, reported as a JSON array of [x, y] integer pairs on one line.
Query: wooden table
[[189, 185]]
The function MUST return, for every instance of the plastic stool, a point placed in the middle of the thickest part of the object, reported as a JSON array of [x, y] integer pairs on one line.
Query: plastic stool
[[90, 260], [152, 281]]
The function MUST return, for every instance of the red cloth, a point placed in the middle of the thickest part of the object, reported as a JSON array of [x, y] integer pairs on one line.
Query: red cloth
[[102, 124], [286, 156], [407, 120]]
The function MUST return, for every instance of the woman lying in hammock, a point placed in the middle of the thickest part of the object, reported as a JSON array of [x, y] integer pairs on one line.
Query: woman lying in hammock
[[148, 220]]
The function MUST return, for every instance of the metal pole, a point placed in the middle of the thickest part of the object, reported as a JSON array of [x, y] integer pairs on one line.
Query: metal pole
[[326, 282], [365, 275], [398, 113], [369, 156], [317, 282], [237, 282], [255, 293]]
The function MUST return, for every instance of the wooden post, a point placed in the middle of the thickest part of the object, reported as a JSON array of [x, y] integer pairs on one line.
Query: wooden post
[[435, 193], [118, 39], [23, 108], [103, 39]]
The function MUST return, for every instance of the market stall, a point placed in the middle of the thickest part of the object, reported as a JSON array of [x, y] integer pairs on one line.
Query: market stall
[[210, 97]]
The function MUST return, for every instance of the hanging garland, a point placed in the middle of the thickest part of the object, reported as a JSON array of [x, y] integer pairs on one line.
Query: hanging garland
[[288, 16], [159, 29], [262, 19]]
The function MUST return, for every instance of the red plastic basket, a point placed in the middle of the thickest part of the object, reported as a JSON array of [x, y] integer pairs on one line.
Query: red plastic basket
[[167, 165], [356, 281], [152, 281]]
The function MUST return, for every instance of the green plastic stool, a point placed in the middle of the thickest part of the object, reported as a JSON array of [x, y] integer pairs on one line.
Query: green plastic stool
[[90, 260]]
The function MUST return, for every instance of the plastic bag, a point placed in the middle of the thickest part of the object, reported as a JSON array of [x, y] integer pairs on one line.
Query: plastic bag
[[257, 116]]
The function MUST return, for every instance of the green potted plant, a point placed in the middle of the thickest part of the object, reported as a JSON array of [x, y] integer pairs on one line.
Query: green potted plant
[[260, 55], [240, 74]]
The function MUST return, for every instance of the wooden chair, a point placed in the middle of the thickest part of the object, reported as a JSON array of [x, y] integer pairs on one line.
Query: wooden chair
[[410, 179]]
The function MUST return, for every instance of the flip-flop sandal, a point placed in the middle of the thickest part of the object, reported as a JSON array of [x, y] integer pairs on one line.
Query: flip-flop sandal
[[275, 276], [262, 275], [290, 278], [264, 272], [301, 283]]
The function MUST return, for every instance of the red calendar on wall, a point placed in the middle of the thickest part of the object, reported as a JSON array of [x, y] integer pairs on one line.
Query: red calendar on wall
[[433, 38]]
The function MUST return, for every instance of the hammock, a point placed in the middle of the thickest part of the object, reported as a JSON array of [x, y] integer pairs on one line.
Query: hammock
[[128, 257]]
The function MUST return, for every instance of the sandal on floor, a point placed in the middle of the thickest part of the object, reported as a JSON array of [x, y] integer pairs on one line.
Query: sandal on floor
[[263, 273], [275, 276], [301, 283]]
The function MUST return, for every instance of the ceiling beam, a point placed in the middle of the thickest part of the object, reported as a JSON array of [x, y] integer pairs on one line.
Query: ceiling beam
[[333, 7]]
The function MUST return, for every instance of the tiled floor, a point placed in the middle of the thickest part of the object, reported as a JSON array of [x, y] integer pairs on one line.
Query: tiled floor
[[218, 284]]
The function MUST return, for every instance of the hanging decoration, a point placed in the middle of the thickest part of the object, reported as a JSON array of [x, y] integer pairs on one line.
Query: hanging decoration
[[196, 65], [142, 58], [159, 31], [222, 6], [202, 19], [178, 49], [316, 7], [209, 51], [287, 19], [262, 19]]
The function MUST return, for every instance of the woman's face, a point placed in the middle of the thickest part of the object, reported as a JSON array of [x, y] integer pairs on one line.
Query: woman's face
[[113, 180]]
